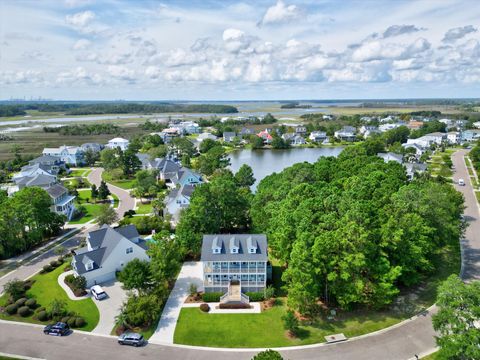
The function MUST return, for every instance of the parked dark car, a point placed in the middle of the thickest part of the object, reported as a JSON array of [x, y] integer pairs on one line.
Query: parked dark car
[[58, 329], [131, 338]]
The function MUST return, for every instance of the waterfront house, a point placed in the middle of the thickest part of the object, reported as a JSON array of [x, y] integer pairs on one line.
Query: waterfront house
[[265, 135], [318, 136], [246, 132], [234, 257], [118, 143], [205, 136], [107, 251], [300, 130], [347, 133], [228, 136], [71, 155]]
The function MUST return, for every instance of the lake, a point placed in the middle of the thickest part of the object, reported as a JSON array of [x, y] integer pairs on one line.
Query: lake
[[266, 162]]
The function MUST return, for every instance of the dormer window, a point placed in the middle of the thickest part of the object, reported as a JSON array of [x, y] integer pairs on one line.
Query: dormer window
[[234, 251], [216, 251], [216, 245], [252, 246], [89, 265]]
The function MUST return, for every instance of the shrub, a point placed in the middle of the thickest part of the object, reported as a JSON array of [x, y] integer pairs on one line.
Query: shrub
[[255, 296], [58, 308], [193, 289], [204, 307], [129, 213], [269, 292], [69, 278], [23, 311], [11, 309], [290, 322], [211, 297], [79, 322], [65, 319], [31, 303], [21, 302], [41, 308], [42, 315], [27, 284], [71, 321], [47, 268], [235, 306], [268, 355], [15, 288], [55, 263]]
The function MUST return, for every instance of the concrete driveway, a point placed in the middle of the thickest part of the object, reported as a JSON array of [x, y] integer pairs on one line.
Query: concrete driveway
[[109, 307], [191, 273]]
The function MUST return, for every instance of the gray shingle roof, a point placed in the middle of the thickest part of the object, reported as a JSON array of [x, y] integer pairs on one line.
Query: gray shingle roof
[[225, 242], [97, 256], [56, 190]]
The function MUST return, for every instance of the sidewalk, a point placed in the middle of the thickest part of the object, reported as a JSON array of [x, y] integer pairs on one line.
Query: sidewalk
[[191, 273]]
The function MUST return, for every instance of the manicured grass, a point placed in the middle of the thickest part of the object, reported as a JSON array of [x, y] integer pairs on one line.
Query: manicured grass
[[93, 210], [123, 184], [433, 356], [46, 288], [144, 208], [80, 173], [84, 195]]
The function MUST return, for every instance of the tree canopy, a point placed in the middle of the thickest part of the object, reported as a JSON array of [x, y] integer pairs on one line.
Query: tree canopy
[[352, 229]]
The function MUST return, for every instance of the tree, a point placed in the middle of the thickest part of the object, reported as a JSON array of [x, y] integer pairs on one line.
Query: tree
[[146, 183], [91, 157], [110, 159], [136, 275], [165, 255], [103, 191], [183, 146], [399, 134], [206, 145], [290, 322], [256, 141], [244, 176], [456, 319], [107, 215], [279, 143], [129, 162], [94, 192], [215, 158], [15, 289], [57, 308], [140, 310], [268, 355]]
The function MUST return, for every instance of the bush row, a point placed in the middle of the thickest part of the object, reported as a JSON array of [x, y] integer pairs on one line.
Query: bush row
[[211, 296], [53, 265]]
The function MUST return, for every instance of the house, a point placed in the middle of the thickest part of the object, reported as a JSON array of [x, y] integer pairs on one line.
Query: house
[[95, 147], [40, 180], [33, 170], [240, 258], [228, 136], [369, 130], [187, 127], [246, 132], [470, 135], [297, 140], [414, 168], [389, 156], [453, 137], [288, 137], [419, 150], [205, 136], [421, 142], [62, 202], [107, 251], [265, 135], [414, 125], [347, 133], [318, 136], [168, 134], [386, 127], [435, 138], [300, 130], [476, 124], [118, 143], [177, 200], [72, 155]]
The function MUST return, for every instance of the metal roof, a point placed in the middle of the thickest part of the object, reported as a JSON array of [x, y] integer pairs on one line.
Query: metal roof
[[224, 242]]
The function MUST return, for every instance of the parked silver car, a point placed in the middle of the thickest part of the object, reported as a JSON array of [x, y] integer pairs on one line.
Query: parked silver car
[[131, 338]]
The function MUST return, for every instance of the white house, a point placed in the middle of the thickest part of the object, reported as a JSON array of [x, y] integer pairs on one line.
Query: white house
[[205, 136], [177, 200], [347, 133], [234, 257], [62, 202], [453, 137], [389, 156], [228, 136], [118, 143], [435, 138], [476, 124], [419, 150], [72, 155], [107, 251], [318, 136]]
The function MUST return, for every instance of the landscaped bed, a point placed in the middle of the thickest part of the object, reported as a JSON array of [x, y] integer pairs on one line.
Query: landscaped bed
[[44, 290], [195, 327]]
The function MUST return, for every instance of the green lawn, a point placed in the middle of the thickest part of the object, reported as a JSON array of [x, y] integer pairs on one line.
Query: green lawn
[[144, 208], [46, 289], [433, 356], [123, 184], [249, 330], [115, 200], [79, 173], [93, 210]]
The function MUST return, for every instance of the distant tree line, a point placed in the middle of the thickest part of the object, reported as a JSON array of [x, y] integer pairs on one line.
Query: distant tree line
[[295, 105], [115, 108], [90, 129]]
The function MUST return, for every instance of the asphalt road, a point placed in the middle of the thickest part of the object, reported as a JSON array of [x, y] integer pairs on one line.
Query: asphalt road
[[396, 343], [127, 202]]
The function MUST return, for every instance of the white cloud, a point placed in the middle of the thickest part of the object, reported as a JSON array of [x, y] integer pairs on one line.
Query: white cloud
[[280, 13], [80, 19], [121, 72], [82, 44], [455, 34], [396, 30]]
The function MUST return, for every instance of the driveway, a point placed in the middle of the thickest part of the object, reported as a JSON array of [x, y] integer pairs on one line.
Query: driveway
[[191, 273], [126, 202], [109, 307]]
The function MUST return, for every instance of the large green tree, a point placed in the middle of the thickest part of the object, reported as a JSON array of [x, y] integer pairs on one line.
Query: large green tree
[[457, 319]]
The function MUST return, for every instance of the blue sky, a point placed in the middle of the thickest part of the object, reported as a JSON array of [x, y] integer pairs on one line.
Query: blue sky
[[227, 50]]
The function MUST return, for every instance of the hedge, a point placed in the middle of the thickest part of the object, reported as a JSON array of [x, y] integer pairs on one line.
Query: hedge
[[21, 302], [255, 296], [42, 315], [11, 309], [211, 296], [23, 311], [31, 303]]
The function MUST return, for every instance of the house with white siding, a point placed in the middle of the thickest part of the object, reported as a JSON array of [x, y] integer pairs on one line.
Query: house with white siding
[[107, 251], [118, 143], [72, 155]]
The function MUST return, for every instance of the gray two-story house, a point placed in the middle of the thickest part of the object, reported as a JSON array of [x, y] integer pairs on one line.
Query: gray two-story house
[[234, 257]]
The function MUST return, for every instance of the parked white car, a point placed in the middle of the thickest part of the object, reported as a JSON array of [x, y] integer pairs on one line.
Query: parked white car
[[461, 182], [98, 292]]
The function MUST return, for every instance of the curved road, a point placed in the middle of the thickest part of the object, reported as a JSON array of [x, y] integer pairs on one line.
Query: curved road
[[127, 202], [400, 342]]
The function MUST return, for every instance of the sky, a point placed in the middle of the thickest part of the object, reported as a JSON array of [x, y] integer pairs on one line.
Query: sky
[[228, 50]]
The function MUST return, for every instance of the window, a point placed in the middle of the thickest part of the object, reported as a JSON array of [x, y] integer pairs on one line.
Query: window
[[129, 250], [89, 266], [216, 251]]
